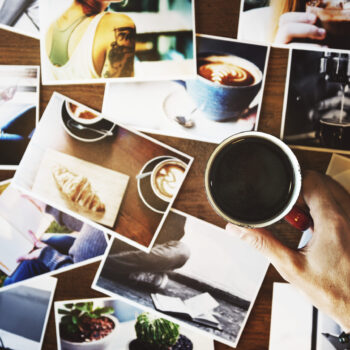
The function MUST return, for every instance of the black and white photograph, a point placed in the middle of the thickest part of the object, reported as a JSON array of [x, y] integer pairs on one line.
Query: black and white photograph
[[19, 111], [24, 314], [296, 324], [224, 99], [37, 239], [112, 324], [309, 24], [196, 273], [84, 41], [316, 113], [20, 16]]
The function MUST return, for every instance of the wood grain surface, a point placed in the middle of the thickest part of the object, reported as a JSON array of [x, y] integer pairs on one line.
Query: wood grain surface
[[219, 17]]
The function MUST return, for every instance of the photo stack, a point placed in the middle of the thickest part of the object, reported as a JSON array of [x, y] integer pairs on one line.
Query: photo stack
[[108, 186]]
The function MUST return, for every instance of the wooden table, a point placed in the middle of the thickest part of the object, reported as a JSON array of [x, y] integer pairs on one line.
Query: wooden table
[[219, 17]]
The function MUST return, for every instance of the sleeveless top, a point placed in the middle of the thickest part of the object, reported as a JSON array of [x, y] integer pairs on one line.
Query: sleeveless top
[[60, 40], [80, 65]]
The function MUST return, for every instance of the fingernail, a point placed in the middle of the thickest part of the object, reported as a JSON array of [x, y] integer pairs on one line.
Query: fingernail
[[321, 32]]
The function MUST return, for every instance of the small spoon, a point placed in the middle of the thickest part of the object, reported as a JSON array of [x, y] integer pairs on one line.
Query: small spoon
[[78, 126], [142, 176]]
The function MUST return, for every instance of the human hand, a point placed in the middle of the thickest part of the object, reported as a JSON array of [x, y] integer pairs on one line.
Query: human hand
[[321, 269], [298, 25], [38, 247]]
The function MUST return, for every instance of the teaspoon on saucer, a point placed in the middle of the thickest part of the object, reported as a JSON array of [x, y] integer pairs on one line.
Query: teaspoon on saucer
[[78, 126]]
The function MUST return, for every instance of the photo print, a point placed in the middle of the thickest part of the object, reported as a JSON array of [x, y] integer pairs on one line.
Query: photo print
[[308, 24], [20, 16], [25, 310], [136, 40], [19, 111], [116, 179], [196, 273], [339, 170], [119, 325], [316, 113], [37, 239], [224, 99], [296, 324]]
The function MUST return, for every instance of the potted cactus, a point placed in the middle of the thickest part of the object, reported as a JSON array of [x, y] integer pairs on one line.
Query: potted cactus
[[84, 327], [158, 334]]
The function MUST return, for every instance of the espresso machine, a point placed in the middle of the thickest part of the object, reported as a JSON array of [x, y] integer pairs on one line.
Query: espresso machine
[[335, 67]]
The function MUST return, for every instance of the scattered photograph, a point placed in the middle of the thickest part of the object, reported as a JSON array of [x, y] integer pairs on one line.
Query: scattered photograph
[[24, 314], [196, 273], [339, 170], [114, 324], [224, 99], [308, 24], [19, 111], [296, 324], [85, 41], [37, 239], [316, 113], [116, 179], [20, 16]]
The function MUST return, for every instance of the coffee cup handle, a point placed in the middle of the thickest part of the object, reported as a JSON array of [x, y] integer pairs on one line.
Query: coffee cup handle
[[299, 219]]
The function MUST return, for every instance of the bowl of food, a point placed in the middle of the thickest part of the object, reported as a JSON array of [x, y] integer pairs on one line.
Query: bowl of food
[[82, 114]]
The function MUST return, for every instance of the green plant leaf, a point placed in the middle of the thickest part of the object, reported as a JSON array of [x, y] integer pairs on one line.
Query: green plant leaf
[[74, 319], [69, 306], [106, 310], [72, 328], [66, 319], [63, 312]]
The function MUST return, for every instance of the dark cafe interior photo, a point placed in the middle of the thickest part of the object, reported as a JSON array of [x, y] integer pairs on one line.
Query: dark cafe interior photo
[[174, 174]]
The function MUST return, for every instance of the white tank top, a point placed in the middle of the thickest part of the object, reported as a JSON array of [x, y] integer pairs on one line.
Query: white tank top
[[80, 65]]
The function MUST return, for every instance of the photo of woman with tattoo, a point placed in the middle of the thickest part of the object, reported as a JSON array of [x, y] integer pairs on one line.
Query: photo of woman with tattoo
[[84, 40], [87, 42]]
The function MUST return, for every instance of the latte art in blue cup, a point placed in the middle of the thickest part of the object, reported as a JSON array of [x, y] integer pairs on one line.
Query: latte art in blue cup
[[225, 86]]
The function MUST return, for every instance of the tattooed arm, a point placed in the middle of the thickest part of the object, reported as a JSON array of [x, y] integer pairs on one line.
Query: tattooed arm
[[118, 40]]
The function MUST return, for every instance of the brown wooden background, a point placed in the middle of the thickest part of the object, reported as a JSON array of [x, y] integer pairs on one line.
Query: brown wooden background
[[215, 17]]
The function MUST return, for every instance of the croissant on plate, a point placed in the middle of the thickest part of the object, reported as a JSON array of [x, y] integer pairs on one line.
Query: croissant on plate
[[77, 188]]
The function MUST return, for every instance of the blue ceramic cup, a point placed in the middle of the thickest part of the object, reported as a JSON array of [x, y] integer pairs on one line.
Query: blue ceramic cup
[[218, 100]]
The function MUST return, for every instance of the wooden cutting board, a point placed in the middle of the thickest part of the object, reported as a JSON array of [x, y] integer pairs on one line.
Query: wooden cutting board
[[108, 184]]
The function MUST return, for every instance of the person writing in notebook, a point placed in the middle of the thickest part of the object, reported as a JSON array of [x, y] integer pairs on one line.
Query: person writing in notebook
[[322, 268], [86, 42]]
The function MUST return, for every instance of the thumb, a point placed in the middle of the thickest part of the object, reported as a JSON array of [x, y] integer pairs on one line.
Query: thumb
[[283, 258]]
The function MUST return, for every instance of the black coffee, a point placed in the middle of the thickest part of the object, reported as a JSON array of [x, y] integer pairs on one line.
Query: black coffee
[[251, 180]]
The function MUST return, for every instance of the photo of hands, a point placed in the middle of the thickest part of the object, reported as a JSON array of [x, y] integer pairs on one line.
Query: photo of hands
[[224, 99], [100, 172], [94, 41], [124, 327], [308, 24]]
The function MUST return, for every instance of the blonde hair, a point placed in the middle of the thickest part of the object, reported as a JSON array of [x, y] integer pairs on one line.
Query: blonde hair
[[279, 7]]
